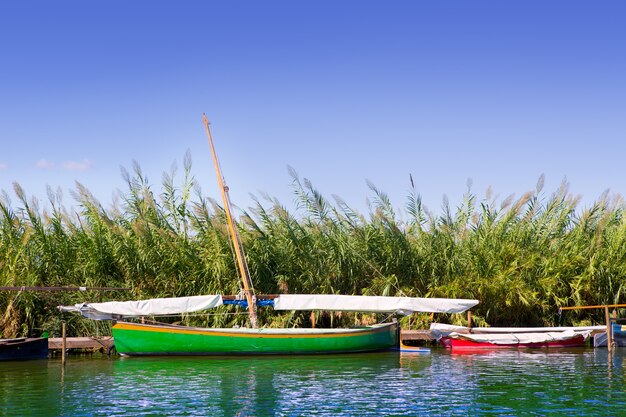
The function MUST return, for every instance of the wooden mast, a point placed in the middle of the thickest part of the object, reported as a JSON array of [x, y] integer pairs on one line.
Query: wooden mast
[[239, 253]]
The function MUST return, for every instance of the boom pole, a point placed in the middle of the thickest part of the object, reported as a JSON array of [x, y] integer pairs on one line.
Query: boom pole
[[239, 253]]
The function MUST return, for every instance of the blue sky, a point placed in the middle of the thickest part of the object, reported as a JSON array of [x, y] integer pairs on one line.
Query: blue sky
[[343, 91]]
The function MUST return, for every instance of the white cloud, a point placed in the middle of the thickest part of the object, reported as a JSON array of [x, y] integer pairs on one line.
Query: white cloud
[[45, 164], [83, 165], [3, 166]]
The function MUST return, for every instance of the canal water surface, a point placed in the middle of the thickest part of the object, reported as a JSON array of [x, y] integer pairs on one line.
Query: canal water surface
[[581, 382]]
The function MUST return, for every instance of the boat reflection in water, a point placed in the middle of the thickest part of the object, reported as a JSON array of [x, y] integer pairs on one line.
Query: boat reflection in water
[[251, 385]]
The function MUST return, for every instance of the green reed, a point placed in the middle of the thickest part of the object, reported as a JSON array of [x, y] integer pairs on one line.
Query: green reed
[[522, 258]]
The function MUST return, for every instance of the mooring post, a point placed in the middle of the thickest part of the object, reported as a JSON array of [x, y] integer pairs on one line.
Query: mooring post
[[609, 333], [469, 321], [63, 345]]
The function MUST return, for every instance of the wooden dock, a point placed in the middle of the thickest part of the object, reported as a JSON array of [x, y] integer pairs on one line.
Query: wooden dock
[[83, 343], [418, 335]]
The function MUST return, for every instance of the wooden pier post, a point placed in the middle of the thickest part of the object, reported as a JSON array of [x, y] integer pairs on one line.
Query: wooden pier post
[[63, 344], [609, 333], [610, 341], [469, 321]]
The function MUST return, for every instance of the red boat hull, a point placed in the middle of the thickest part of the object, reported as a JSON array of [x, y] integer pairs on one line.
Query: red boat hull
[[575, 341]]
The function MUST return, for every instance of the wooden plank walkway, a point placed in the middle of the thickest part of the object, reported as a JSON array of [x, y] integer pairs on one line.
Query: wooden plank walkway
[[424, 335], [86, 343]]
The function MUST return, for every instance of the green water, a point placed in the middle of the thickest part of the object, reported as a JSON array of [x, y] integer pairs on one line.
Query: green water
[[581, 382]]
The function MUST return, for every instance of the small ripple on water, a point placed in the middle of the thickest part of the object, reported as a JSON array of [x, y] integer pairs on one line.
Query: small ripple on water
[[386, 384]]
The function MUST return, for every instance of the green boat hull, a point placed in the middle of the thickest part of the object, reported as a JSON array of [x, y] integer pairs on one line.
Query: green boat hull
[[143, 339]]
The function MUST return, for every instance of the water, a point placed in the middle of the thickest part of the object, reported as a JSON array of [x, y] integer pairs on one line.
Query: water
[[581, 382]]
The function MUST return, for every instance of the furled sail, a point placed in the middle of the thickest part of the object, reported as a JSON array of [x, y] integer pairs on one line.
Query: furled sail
[[372, 304], [153, 307]]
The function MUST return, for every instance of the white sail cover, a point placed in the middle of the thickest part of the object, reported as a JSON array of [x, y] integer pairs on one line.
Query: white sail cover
[[520, 338], [372, 304], [153, 307]]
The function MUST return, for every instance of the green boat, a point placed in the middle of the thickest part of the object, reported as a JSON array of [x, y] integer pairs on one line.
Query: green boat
[[135, 339], [143, 339]]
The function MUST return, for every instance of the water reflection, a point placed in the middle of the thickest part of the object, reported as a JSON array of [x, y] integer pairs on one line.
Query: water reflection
[[546, 381], [581, 382], [239, 386]]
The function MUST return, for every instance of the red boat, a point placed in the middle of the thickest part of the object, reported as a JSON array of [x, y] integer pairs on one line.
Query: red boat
[[563, 339]]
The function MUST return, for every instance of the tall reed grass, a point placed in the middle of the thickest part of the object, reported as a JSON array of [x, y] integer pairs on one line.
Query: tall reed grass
[[522, 258]]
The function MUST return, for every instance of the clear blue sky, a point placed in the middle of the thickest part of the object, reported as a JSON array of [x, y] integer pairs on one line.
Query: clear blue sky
[[342, 91]]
